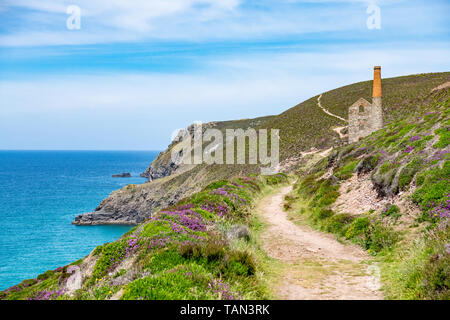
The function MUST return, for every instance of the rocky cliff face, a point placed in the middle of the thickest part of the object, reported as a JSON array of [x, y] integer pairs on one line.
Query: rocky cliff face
[[136, 203], [164, 165], [169, 181]]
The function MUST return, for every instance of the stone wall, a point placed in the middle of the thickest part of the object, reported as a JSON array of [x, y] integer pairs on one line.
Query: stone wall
[[364, 118], [359, 120]]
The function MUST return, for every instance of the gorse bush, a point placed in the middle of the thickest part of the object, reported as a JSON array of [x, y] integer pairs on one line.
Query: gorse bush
[[359, 226]]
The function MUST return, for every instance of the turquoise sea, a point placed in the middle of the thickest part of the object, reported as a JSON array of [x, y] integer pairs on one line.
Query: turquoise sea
[[41, 192]]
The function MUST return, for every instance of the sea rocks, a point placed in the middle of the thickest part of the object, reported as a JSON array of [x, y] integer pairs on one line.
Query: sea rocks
[[122, 175], [103, 217]]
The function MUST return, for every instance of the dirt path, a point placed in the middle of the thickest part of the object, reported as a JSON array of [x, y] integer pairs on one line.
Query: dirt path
[[339, 130], [328, 112], [310, 264]]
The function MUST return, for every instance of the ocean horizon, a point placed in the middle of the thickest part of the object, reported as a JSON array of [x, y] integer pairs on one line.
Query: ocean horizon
[[41, 192]]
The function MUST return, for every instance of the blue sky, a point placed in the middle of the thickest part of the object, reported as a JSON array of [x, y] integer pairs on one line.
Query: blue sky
[[138, 70]]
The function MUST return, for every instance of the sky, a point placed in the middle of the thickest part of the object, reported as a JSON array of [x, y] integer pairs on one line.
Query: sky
[[132, 72]]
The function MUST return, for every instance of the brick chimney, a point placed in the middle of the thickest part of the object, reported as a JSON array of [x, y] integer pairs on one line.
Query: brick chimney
[[376, 92], [376, 119]]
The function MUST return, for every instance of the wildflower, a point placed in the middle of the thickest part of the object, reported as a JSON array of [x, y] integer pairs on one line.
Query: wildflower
[[47, 295], [408, 149], [222, 289]]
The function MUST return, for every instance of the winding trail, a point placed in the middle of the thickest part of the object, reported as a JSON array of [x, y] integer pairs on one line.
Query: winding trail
[[310, 264], [328, 112]]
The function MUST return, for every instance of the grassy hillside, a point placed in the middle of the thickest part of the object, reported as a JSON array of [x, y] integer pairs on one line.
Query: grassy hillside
[[305, 125], [401, 95], [406, 224]]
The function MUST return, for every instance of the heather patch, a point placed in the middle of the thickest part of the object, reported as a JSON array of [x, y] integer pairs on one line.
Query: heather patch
[[47, 295], [183, 250], [112, 255]]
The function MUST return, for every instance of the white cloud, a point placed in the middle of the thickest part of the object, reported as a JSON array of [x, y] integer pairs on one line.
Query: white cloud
[[108, 20], [198, 20], [269, 80], [140, 111]]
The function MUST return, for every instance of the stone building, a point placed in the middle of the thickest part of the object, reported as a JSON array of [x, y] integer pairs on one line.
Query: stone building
[[365, 117]]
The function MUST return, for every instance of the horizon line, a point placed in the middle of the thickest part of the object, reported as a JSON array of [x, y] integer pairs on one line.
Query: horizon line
[[95, 150]]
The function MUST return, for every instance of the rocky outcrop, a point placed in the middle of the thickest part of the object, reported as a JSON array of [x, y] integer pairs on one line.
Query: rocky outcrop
[[104, 217], [160, 168], [135, 203], [165, 164], [238, 231], [122, 175]]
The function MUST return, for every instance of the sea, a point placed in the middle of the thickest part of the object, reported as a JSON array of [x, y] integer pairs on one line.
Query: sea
[[41, 192]]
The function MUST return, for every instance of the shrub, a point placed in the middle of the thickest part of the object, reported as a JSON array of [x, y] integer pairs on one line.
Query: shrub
[[424, 272], [338, 224], [217, 184], [275, 179], [111, 254], [391, 211], [408, 172], [367, 164], [326, 194], [357, 227], [164, 259], [377, 237], [346, 172], [324, 213], [239, 263], [47, 274]]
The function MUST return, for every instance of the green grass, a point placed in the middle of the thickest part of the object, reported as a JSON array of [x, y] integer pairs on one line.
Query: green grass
[[347, 171], [444, 138]]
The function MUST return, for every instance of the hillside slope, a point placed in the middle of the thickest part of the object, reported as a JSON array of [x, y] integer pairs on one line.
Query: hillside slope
[[303, 128]]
